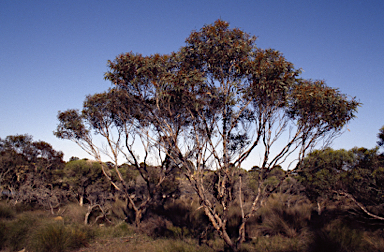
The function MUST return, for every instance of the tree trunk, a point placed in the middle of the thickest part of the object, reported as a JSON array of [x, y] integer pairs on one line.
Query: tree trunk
[[220, 228], [87, 215], [81, 200], [362, 207], [138, 216]]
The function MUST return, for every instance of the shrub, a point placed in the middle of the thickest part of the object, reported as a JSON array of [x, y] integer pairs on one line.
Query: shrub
[[55, 236], [286, 215], [18, 231], [338, 236], [80, 235], [182, 246], [50, 237], [155, 227], [186, 217], [74, 213], [375, 240], [3, 237], [276, 243], [119, 230]]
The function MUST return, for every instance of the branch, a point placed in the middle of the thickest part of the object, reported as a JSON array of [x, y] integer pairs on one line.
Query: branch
[[359, 205]]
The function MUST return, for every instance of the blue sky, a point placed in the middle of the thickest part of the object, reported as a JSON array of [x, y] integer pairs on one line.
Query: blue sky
[[54, 53]]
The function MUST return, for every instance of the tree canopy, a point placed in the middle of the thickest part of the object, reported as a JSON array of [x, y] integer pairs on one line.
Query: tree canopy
[[357, 174]]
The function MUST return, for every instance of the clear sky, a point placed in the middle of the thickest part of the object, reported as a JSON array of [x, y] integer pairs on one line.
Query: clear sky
[[54, 53]]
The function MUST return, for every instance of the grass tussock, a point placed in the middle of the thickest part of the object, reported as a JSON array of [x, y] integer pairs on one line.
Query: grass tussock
[[182, 218], [74, 213], [277, 243], [40, 231], [182, 246], [374, 240], [55, 236], [283, 216], [339, 236], [18, 230], [121, 229], [3, 232], [6, 211]]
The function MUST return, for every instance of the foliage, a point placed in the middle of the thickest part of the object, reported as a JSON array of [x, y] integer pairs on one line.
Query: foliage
[[38, 231], [105, 114], [30, 171], [357, 174], [50, 237], [283, 214], [276, 243], [365, 181], [380, 136], [284, 223], [322, 171], [18, 231], [338, 236], [84, 178]]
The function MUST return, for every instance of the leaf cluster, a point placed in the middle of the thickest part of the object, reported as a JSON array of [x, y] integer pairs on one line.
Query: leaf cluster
[[358, 172]]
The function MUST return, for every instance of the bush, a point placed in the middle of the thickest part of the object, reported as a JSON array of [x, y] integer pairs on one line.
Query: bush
[[155, 227], [3, 237], [182, 246], [338, 236], [74, 213], [278, 217], [18, 231], [80, 235], [186, 217], [55, 236], [276, 243], [119, 230], [50, 237], [375, 240]]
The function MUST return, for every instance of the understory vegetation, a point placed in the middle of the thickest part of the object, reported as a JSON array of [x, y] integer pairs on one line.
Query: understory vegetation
[[285, 223], [288, 221]]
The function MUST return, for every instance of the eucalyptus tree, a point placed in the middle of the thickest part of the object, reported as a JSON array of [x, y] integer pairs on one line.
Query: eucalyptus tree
[[29, 171], [322, 172], [357, 174], [212, 104], [83, 175], [380, 135], [115, 118]]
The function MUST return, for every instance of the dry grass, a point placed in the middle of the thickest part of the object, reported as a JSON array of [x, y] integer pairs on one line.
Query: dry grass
[[281, 215], [6, 212], [282, 224], [277, 243], [140, 242], [74, 213]]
